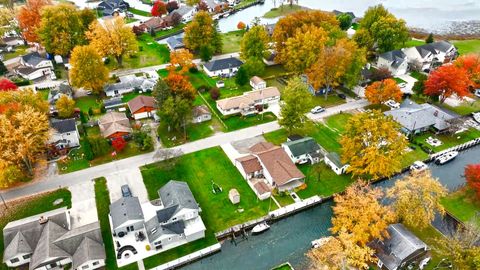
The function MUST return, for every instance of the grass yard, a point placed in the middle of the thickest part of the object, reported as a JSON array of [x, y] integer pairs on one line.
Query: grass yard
[[284, 199], [332, 100], [412, 156], [87, 102], [462, 204], [283, 10], [244, 3], [194, 132], [140, 12], [467, 46], [322, 181], [23, 208], [412, 43], [199, 169], [417, 75], [44, 93], [102, 200], [129, 96], [199, 79], [447, 140], [18, 51], [231, 41], [239, 122], [162, 33], [465, 108], [399, 80]]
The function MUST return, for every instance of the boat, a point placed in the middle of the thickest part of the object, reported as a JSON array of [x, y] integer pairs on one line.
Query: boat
[[261, 227], [447, 157], [320, 242], [418, 166], [476, 116]]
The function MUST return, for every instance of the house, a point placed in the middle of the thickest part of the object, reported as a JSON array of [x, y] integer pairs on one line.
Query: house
[[175, 42], [154, 24], [186, 12], [62, 89], [33, 66], [311, 89], [201, 114], [48, 241], [142, 107], [400, 250], [395, 61], [129, 83], [13, 41], [114, 125], [226, 67], [113, 103], [303, 150], [271, 163], [5, 48], [333, 160], [416, 118], [257, 83], [168, 222], [112, 7], [250, 102], [65, 133], [431, 54]]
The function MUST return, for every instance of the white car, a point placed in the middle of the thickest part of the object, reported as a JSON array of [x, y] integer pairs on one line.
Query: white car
[[392, 104], [402, 85], [317, 109], [477, 93]]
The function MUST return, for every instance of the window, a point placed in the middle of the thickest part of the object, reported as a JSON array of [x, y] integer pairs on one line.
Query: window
[[68, 133], [85, 267], [95, 263], [14, 260], [27, 256]]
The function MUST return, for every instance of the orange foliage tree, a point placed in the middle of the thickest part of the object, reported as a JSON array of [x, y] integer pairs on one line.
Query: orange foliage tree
[[180, 85], [29, 18], [379, 92], [471, 64], [446, 81], [7, 85], [180, 58], [241, 25], [159, 8], [472, 174]]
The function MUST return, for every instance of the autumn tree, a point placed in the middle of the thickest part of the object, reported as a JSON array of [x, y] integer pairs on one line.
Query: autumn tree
[[179, 85], [472, 175], [372, 145], [297, 102], [61, 28], [201, 5], [182, 59], [88, 70], [241, 25], [29, 18], [13, 101], [416, 199], [193, 2], [113, 38], [446, 81], [9, 174], [201, 33], [471, 64], [379, 92], [159, 8], [171, 6], [254, 43], [7, 85], [330, 255], [119, 144], [8, 22], [65, 106]]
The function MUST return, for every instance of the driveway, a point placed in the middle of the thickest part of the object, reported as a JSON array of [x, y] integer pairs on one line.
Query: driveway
[[231, 152], [410, 82], [275, 109], [84, 209], [132, 178], [349, 106]]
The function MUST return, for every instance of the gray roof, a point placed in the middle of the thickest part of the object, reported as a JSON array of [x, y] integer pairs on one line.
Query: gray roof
[[64, 125], [334, 157], [88, 250], [441, 46], [128, 82], [113, 102], [226, 63], [110, 6], [183, 10], [125, 209], [62, 88], [32, 58], [413, 116], [175, 42], [302, 146], [177, 193], [45, 252], [398, 247], [397, 57]]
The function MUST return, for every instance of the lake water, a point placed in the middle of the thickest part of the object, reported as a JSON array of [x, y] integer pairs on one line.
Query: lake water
[[289, 239], [431, 15]]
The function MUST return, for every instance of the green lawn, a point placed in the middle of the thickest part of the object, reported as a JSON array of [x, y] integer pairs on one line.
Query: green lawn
[[284, 266], [129, 96], [44, 93], [140, 12], [462, 204], [332, 100], [18, 51], [239, 122], [283, 10], [244, 3], [467, 46], [465, 108], [413, 156], [323, 181], [102, 200], [399, 80], [162, 33], [198, 169], [284, 199], [87, 102], [412, 43], [447, 140], [231, 41], [194, 132], [23, 208], [417, 75]]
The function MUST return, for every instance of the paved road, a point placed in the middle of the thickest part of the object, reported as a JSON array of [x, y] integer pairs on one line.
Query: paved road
[[357, 104]]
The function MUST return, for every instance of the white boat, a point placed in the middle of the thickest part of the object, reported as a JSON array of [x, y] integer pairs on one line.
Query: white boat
[[444, 158], [418, 166], [476, 116], [320, 242], [261, 227]]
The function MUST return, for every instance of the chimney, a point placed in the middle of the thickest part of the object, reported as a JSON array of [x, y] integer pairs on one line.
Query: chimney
[[43, 220]]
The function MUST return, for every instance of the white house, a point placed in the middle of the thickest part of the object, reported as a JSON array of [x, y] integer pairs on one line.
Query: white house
[[395, 61], [257, 83], [128, 84], [33, 66], [201, 114], [431, 54], [333, 161], [248, 102], [65, 133], [226, 67], [304, 150], [13, 41], [186, 12]]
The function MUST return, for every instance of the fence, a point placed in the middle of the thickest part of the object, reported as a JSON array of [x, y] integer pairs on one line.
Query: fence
[[460, 147], [189, 258]]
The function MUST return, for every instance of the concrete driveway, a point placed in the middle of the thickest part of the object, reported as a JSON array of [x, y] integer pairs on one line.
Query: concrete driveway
[[410, 82], [84, 209], [132, 178]]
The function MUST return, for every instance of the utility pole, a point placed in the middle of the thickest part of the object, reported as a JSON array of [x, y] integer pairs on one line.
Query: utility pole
[[3, 200]]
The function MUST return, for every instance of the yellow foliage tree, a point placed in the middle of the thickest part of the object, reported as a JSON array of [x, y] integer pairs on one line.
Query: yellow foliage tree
[[180, 58], [113, 38], [11, 101], [417, 199], [65, 106], [373, 145], [379, 92], [88, 70], [9, 174], [330, 255]]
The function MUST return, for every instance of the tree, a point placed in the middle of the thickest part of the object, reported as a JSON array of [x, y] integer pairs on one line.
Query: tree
[[159, 8], [8, 23], [176, 111], [241, 25], [9, 174], [380, 74], [113, 38], [29, 18], [446, 81], [176, 18], [379, 92], [214, 93], [345, 21], [119, 144], [160, 92], [99, 145], [297, 102], [206, 53], [242, 76], [471, 64], [61, 28], [7, 85], [88, 70], [202, 6], [179, 85], [472, 175], [3, 68], [419, 85], [142, 139], [65, 106], [193, 2], [171, 6], [416, 199], [330, 255], [202, 32], [429, 39], [254, 43], [182, 59], [372, 145], [254, 67]]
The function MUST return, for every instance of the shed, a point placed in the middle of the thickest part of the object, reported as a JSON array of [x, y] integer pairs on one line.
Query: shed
[[234, 196]]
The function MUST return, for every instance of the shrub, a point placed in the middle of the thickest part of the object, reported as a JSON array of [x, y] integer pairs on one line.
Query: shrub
[[107, 61], [87, 150], [83, 118], [90, 111], [214, 93], [203, 88], [193, 69], [102, 109]]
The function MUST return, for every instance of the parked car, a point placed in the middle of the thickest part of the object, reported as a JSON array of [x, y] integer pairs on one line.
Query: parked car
[[477, 93], [342, 96], [317, 109], [126, 191], [392, 104], [402, 85]]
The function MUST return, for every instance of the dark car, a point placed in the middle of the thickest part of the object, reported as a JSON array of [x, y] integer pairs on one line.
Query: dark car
[[126, 191], [342, 96]]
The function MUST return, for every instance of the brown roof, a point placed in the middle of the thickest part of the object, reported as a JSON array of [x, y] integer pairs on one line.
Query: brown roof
[[261, 146], [200, 110], [140, 102], [250, 164], [257, 80], [114, 122], [154, 22], [261, 187], [248, 98]]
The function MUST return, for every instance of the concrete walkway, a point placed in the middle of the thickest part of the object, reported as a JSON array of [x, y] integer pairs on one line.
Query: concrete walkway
[[131, 177], [84, 209]]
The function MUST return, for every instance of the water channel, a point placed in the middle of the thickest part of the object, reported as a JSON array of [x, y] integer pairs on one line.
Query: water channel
[[289, 239], [431, 15]]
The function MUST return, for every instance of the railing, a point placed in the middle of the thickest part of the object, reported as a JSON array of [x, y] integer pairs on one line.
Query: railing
[[189, 258]]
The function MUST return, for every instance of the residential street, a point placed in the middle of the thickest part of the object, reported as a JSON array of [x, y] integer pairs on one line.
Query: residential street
[[357, 104]]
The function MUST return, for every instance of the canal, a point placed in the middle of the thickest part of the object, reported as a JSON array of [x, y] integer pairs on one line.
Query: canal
[[289, 239], [432, 15]]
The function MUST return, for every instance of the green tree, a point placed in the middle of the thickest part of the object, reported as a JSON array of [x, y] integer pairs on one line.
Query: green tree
[[206, 53], [297, 102], [345, 21], [254, 43], [429, 39], [3, 68], [202, 32], [242, 76], [99, 145], [254, 67], [176, 111], [87, 149], [160, 92]]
